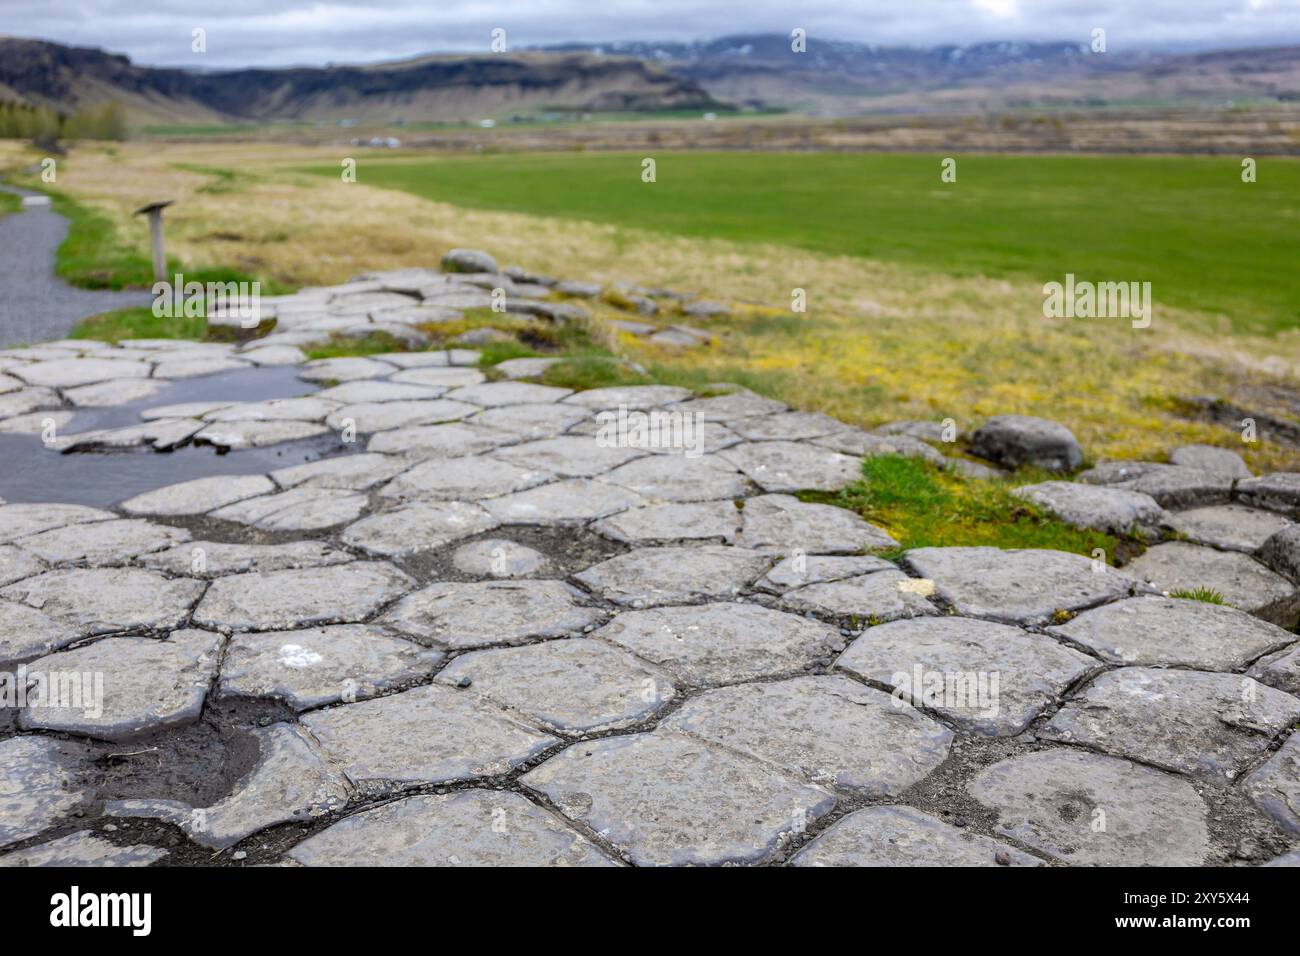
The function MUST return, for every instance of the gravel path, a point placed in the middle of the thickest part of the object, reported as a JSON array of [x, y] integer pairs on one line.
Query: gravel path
[[34, 304]]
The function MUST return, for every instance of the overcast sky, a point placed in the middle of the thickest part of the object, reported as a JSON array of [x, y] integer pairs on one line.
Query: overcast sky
[[283, 32]]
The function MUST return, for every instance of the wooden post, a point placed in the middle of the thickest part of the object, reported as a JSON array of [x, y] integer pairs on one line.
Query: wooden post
[[154, 211]]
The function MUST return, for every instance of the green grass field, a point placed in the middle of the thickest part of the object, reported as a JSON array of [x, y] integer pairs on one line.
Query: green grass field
[[1189, 225]]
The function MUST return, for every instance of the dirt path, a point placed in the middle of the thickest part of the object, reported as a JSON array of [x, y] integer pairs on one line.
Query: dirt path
[[35, 305]]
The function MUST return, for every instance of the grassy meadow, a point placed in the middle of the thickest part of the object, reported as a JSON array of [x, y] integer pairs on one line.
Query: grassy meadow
[[924, 298]]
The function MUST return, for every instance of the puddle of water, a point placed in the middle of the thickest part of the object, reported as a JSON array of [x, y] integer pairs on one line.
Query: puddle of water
[[30, 472]]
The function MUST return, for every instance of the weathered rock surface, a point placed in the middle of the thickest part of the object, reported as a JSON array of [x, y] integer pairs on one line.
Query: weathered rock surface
[[1015, 440], [468, 828], [1194, 722], [723, 643], [1243, 582], [710, 806], [83, 849], [783, 524], [651, 576], [1115, 510], [284, 600], [474, 614], [104, 600], [902, 836], [1275, 787], [1231, 527], [984, 677], [39, 784], [828, 730], [1092, 810]]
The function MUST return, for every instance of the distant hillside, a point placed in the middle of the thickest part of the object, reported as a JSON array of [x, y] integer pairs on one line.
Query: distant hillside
[[839, 77], [429, 88]]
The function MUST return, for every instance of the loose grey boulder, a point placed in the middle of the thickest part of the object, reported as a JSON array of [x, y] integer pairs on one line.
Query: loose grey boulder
[[468, 260], [1016, 440], [1221, 461]]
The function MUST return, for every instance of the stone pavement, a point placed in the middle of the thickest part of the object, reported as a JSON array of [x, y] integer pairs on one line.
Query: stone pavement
[[497, 634]]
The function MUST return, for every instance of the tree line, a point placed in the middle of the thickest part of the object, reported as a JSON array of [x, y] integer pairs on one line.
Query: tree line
[[41, 123]]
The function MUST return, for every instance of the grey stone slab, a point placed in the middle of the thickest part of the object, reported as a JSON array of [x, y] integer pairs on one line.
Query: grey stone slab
[[257, 434], [793, 466], [783, 524], [570, 456], [20, 520], [650, 576], [129, 686], [415, 528], [1243, 582], [39, 784], [290, 782], [16, 564], [354, 472], [493, 394], [471, 478], [468, 828], [1275, 786], [1281, 552], [679, 478], [298, 509], [1280, 670], [1286, 859], [875, 598], [1015, 440], [574, 501], [440, 375], [1102, 507], [183, 410], [533, 421], [322, 665], [1177, 486], [451, 440], [524, 367], [162, 435], [26, 632], [1194, 722], [116, 392], [903, 836], [275, 355], [828, 730], [387, 740], [801, 569], [28, 400], [567, 687], [311, 408], [37, 423], [1279, 491], [478, 613], [366, 391], [284, 600], [629, 396], [717, 521], [103, 600], [1231, 527], [1020, 586], [737, 404], [723, 643], [71, 372], [499, 558], [1173, 632], [214, 559], [1221, 461], [987, 678], [198, 496], [344, 370], [101, 543], [859, 444], [194, 367], [369, 417], [1090, 810], [669, 800], [83, 849], [787, 426]]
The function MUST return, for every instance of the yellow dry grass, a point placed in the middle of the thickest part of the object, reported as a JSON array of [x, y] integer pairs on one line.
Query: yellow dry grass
[[878, 342]]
